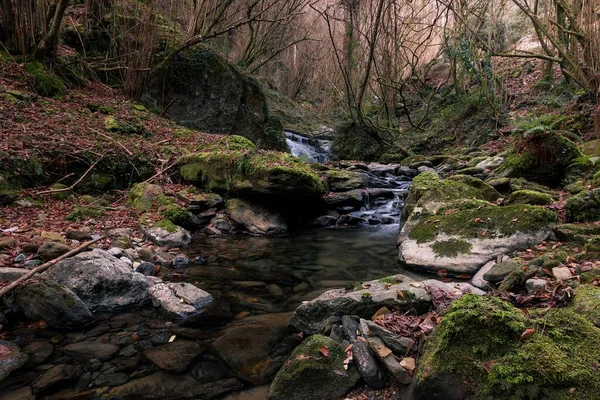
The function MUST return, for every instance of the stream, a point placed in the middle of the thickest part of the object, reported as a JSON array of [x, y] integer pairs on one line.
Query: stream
[[254, 279]]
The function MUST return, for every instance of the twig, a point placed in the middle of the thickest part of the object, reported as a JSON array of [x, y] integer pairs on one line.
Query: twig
[[114, 140], [164, 111], [162, 141], [45, 266], [160, 173], [67, 189]]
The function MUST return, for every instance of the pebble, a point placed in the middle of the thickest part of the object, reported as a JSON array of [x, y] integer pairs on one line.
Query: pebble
[[561, 273], [32, 263], [181, 262], [20, 258], [115, 252], [127, 261]]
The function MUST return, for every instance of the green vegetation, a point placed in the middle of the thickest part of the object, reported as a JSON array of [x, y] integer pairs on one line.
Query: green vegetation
[[44, 81], [494, 221], [584, 206], [166, 225], [451, 248], [529, 197], [83, 213], [178, 215]]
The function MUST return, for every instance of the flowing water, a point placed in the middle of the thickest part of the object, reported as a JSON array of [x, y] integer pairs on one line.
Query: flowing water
[[311, 150]]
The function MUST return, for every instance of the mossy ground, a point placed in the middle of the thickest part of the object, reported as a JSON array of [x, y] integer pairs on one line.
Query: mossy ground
[[487, 222], [584, 206], [529, 197], [44, 81]]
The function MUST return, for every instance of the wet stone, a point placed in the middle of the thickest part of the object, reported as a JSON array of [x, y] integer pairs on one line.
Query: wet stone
[[114, 379], [176, 356], [56, 375], [38, 352], [87, 350]]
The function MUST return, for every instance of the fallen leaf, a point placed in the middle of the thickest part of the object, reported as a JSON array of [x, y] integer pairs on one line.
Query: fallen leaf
[[408, 363], [300, 335], [348, 349], [324, 351], [515, 219], [340, 373], [488, 365], [527, 333], [172, 338]]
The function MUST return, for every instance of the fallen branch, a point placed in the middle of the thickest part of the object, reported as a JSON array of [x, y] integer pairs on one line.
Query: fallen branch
[[129, 153], [45, 266], [159, 173], [67, 189]]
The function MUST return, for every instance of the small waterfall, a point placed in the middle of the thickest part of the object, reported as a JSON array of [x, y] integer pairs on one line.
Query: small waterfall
[[311, 150]]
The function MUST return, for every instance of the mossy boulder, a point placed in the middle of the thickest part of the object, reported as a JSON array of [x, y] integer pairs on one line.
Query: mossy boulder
[[587, 302], [45, 82], [579, 233], [429, 192], [146, 196], [477, 348], [584, 206], [255, 218], [462, 241], [206, 92], [311, 375], [342, 180], [253, 173], [541, 156], [529, 197], [64, 194], [179, 216]]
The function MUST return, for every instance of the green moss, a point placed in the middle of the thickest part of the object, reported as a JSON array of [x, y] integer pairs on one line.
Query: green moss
[[471, 171], [451, 248], [427, 188], [392, 280], [61, 195], [166, 225], [461, 205], [236, 170], [98, 182], [83, 213], [584, 206], [593, 245], [587, 303], [576, 232], [529, 197], [229, 143], [146, 196], [44, 81], [345, 180], [178, 215], [309, 374], [478, 343], [111, 124], [495, 221]]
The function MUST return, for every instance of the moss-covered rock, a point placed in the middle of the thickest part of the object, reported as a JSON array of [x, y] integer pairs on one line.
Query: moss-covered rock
[[178, 215], [83, 213], [146, 196], [252, 172], [429, 192], [478, 235], [310, 375], [584, 206], [61, 195], [587, 302], [541, 155], [529, 197], [477, 346], [579, 233], [342, 180], [45, 82]]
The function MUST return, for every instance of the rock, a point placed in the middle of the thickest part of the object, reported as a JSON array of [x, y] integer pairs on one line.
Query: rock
[[587, 303], [344, 180], [399, 345], [11, 274], [325, 220], [175, 356], [561, 273], [78, 235], [256, 219], [20, 394], [56, 375], [180, 262], [175, 237], [490, 163], [114, 379], [20, 258], [389, 360], [579, 233], [102, 281], [529, 197], [208, 93], [425, 168], [308, 374], [11, 358], [402, 294], [206, 371], [7, 243], [163, 385], [146, 269], [51, 250], [254, 348], [584, 206], [179, 300], [53, 237], [30, 264], [536, 286], [115, 252], [352, 198], [499, 271], [478, 281], [122, 242], [38, 352], [88, 350], [54, 303], [463, 241], [367, 365]]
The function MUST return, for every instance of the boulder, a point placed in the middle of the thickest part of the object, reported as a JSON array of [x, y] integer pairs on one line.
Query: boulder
[[51, 250], [584, 206], [529, 197], [145, 197], [396, 293], [11, 358], [163, 385], [168, 235], [202, 90], [103, 282], [11, 274], [499, 271], [490, 163], [175, 356], [38, 352], [479, 350], [56, 375], [463, 241], [344, 180], [88, 350], [179, 300], [353, 198], [309, 374], [255, 218], [254, 347], [389, 360], [52, 302]]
